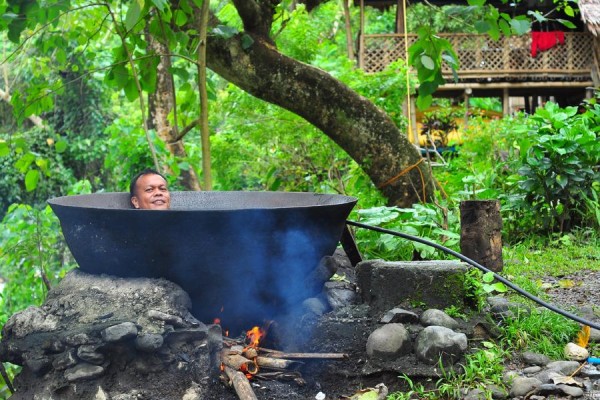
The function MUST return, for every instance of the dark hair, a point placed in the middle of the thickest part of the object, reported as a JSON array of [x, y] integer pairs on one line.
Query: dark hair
[[147, 171]]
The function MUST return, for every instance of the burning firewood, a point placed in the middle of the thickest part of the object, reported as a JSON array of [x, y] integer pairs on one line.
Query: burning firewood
[[300, 356], [239, 362], [243, 360], [240, 383], [275, 363]]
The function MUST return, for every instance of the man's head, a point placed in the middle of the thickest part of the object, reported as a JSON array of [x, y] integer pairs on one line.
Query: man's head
[[148, 190]]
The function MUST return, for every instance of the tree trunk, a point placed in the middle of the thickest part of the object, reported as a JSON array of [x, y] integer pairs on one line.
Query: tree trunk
[[160, 104], [364, 131]]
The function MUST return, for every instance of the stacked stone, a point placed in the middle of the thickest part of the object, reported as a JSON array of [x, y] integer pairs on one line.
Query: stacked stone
[[436, 339], [100, 337]]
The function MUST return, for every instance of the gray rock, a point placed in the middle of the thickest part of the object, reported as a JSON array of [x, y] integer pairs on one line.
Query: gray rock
[[31, 319], [340, 294], [39, 364], [522, 385], [149, 342], [532, 358], [174, 320], [82, 372], [399, 315], [547, 375], [314, 306], [120, 332], [498, 302], [189, 335], [388, 342], [475, 394], [532, 370], [434, 317], [594, 335], [509, 376], [590, 371], [547, 388], [90, 354], [78, 339], [434, 342], [65, 360], [564, 367], [496, 391], [572, 391]]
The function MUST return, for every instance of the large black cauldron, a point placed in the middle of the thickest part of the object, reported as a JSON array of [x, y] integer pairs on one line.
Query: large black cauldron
[[241, 256]]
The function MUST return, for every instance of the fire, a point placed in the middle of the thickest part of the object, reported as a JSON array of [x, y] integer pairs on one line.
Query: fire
[[254, 335]]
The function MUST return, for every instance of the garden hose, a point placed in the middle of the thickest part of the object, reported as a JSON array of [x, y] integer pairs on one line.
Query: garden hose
[[480, 267]]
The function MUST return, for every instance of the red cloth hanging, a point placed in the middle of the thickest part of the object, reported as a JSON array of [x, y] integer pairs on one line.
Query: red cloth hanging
[[542, 41]]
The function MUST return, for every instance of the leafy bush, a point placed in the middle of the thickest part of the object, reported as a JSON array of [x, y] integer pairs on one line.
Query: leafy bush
[[558, 171], [426, 221], [31, 160]]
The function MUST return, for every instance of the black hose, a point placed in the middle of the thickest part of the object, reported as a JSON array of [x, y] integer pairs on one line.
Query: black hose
[[480, 267]]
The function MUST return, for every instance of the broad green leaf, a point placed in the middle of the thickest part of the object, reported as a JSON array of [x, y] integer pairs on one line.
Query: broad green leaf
[[427, 62], [482, 26], [160, 4], [60, 55], [133, 15], [494, 30], [566, 23], [504, 27], [31, 179], [569, 11], [23, 163], [488, 277], [131, 91], [520, 26], [4, 148], [180, 17], [539, 17], [60, 146], [120, 75], [423, 102], [476, 2], [451, 60]]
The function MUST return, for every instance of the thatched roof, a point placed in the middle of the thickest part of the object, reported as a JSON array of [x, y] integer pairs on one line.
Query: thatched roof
[[590, 14]]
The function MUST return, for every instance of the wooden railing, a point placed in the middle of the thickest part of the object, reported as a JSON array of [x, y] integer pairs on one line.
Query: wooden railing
[[481, 57]]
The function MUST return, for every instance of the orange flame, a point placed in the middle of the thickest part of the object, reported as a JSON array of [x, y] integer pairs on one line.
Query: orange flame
[[254, 335]]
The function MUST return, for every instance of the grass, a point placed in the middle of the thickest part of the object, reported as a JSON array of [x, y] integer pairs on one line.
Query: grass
[[539, 330]]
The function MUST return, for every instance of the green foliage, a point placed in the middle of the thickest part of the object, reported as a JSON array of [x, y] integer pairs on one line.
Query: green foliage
[[541, 331], [427, 54], [559, 158], [427, 221], [32, 168], [31, 249]]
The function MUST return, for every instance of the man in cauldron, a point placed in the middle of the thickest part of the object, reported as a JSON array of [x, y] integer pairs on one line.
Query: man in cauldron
[[148, 191]]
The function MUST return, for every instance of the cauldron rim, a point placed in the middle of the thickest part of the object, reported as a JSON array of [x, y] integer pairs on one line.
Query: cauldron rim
[[76, 201]]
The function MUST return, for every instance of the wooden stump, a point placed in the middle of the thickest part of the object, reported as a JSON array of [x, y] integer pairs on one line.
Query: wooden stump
[[481, 232]]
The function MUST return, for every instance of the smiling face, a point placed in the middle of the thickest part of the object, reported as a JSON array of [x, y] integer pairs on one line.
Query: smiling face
[[151, 193]]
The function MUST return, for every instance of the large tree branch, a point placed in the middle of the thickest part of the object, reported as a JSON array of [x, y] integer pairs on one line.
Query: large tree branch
[[364, 131], [257, 15]]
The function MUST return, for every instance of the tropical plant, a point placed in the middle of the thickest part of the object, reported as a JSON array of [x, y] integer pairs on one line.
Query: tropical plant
[[559, 158]]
